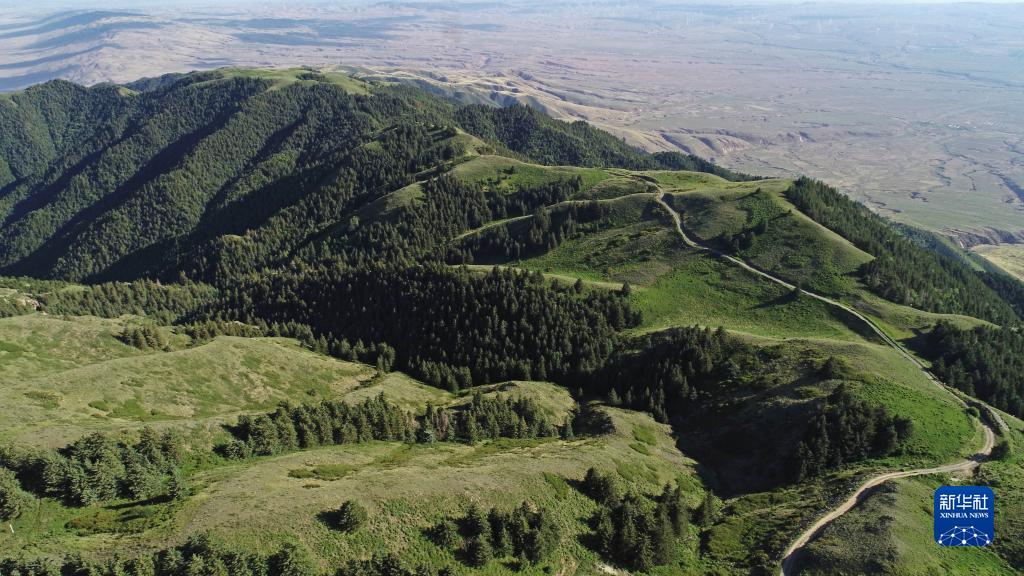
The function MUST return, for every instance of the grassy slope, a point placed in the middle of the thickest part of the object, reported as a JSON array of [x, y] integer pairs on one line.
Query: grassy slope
[[891, 532], [903, 322], [942, 431], [680, 287], [792, 245], [504, 175], [1009, 257], [410, 487], [1007, 479], [768, 519], [262, 502], [674, 285], [60, 378], [401, 389]]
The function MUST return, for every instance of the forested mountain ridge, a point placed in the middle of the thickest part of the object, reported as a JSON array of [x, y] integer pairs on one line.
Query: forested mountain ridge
[[109, 182]]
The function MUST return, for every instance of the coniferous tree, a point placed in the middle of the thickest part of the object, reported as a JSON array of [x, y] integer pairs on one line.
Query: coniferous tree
[[707, 513], [478, 551], [350, 516], [12, 498], [292, 560]]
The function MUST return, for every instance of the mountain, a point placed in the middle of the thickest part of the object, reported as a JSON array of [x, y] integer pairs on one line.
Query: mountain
[[127, 181], [289, 322]]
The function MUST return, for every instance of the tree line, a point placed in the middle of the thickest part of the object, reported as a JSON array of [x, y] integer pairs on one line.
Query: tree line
[[199, 332], [985, 362], [633, 530], [444, 322], [300, 426], [527, 199], [847, 429], [681, 376], [526, 533], [145, 337], [418, 230], [499, 416], [100, 468], [202, 554], [163, 303], [665, 373], [902, 271], [410, 233], [543, 232]]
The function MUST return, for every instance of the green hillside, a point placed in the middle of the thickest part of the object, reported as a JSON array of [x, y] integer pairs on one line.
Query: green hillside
[[895, 513], [891, 532], [285, 322], [408, 488], [73, 376], [673, 285], [759, 224], [230, 168]]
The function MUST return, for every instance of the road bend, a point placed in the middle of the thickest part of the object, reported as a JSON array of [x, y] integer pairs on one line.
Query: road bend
[[811, 532]]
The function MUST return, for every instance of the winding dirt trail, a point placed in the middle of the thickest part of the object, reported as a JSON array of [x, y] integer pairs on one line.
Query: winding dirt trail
[[812, 531]]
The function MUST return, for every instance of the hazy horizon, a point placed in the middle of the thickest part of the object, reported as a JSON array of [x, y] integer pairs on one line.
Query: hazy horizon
[[149, 4], [775, 88]]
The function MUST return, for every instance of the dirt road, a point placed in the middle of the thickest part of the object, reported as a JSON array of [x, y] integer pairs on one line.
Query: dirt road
[[789, 556]]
